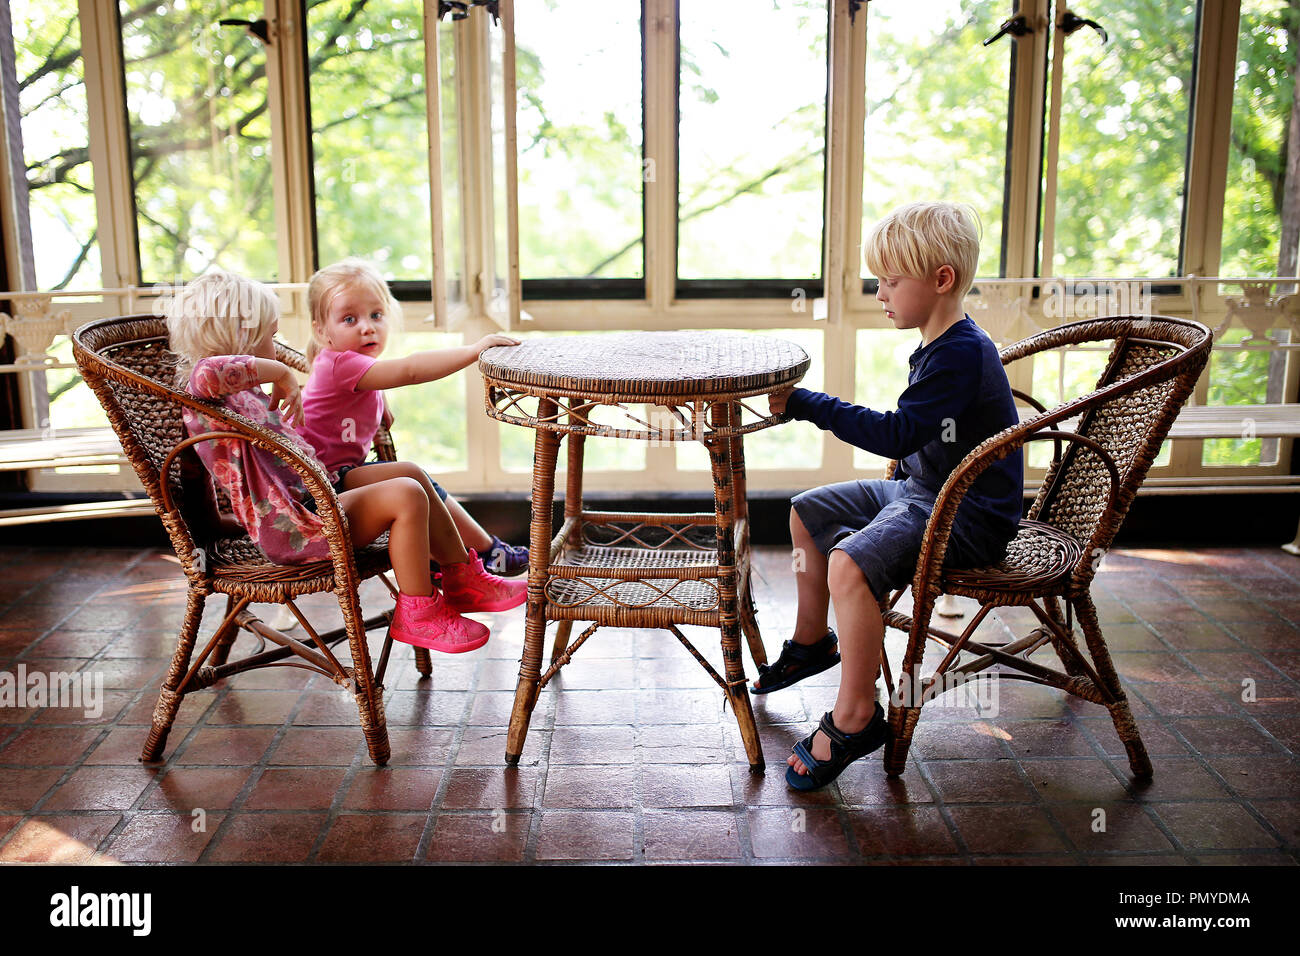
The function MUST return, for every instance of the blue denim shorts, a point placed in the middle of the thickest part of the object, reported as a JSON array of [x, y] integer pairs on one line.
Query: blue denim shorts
[[880, 525]]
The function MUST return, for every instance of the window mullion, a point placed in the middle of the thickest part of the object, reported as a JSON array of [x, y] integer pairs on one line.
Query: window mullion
[[1025, 150], [660, 32], [1208, 156], [291, 156], [110, 152], [845, 124]]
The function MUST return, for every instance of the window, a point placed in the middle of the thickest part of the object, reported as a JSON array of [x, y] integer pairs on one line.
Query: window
[[369, 135], [196, 95], [59, 191], [936, 121], [751, 145], [1263, 110], [580, 147], [1125, 114]]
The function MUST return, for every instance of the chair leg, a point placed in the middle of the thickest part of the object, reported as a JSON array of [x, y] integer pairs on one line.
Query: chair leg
[[226, 636], [749, 624], [1120, 713], [902, 722], [905, 705], [423, 661], [369, 696], [561, 643], [171, 694]]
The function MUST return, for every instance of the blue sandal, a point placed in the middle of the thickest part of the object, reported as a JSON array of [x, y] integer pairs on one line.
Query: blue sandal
[[796, 662], [845, 748]]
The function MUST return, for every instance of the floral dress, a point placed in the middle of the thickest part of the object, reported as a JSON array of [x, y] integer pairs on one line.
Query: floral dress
[[266, 494]]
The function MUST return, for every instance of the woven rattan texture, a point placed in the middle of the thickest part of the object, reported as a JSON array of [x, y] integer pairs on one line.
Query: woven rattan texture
[[654, 536], [600, 557], [1038, 558], [240, 558], [1122, 426], [648, 364]]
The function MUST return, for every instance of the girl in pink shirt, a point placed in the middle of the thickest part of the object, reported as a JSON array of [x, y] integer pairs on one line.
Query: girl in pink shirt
[[222, 327], [343, 407]]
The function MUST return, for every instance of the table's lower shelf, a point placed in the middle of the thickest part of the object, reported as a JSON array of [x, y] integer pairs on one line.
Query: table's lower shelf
[[634, 587]]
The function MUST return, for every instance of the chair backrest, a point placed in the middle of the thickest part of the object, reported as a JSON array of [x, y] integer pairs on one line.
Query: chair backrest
[[127, 363], [1152, 368]]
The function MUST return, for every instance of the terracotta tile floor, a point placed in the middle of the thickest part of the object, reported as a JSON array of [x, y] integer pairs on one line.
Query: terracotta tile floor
[[631, 757]]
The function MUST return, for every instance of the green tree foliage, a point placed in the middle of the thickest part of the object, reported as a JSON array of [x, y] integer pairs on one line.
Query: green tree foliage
[[1124, 124], [1263, 95], [937, 112]]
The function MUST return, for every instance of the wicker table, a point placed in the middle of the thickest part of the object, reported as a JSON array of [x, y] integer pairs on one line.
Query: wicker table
[[639, 570]]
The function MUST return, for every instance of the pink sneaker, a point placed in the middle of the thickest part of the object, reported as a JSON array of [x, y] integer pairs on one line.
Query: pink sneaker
[[470, 588], [431, 622]]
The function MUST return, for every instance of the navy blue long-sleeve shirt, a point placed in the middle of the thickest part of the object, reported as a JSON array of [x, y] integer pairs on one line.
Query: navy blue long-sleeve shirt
[[957, 395]]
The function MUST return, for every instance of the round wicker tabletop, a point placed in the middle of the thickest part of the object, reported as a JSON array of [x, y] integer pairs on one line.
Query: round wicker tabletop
[[645, 366]]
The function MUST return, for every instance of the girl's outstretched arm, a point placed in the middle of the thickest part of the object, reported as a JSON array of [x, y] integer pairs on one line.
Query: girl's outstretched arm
[[428, 366]]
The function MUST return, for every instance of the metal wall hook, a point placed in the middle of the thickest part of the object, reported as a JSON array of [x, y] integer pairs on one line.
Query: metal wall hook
[[1070, 21], [459, 9], [1017, 26], [256, 28]]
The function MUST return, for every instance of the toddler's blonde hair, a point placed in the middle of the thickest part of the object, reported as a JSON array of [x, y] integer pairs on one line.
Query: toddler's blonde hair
[[219, 313], [328, 282], [916, 239]]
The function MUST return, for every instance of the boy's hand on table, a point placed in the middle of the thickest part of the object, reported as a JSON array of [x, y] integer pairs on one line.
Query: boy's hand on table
[[776, 400]]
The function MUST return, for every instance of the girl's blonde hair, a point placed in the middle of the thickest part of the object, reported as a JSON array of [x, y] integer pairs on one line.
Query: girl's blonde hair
[[916, 239], [330, 281], [219, 313]]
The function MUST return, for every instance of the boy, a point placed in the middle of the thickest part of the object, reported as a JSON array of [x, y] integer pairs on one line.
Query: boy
[[861, 539]]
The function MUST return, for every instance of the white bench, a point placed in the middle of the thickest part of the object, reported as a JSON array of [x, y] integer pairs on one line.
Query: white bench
[[1240, 421], [25, 449]]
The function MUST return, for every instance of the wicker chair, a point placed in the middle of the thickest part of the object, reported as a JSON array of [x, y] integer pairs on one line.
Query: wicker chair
[[1117, 432], [127, 364]]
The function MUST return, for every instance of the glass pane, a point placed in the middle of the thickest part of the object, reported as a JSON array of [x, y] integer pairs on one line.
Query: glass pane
[[792, 445], [1244, 377], [196, 96], [56, 154], [1262, 110], [453, 245], [880, 375], [599, 454], [71, 402], [369, 134], [751, 134], [1126, 108], [937, 112], [429, 419], [580, 170]]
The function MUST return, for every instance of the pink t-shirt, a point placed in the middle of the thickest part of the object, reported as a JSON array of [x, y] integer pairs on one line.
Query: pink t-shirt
[[339, 419]]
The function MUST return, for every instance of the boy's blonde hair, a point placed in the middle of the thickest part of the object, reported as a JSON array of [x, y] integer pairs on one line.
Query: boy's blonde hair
[[916, 239], [219, 313], [328, 282]]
